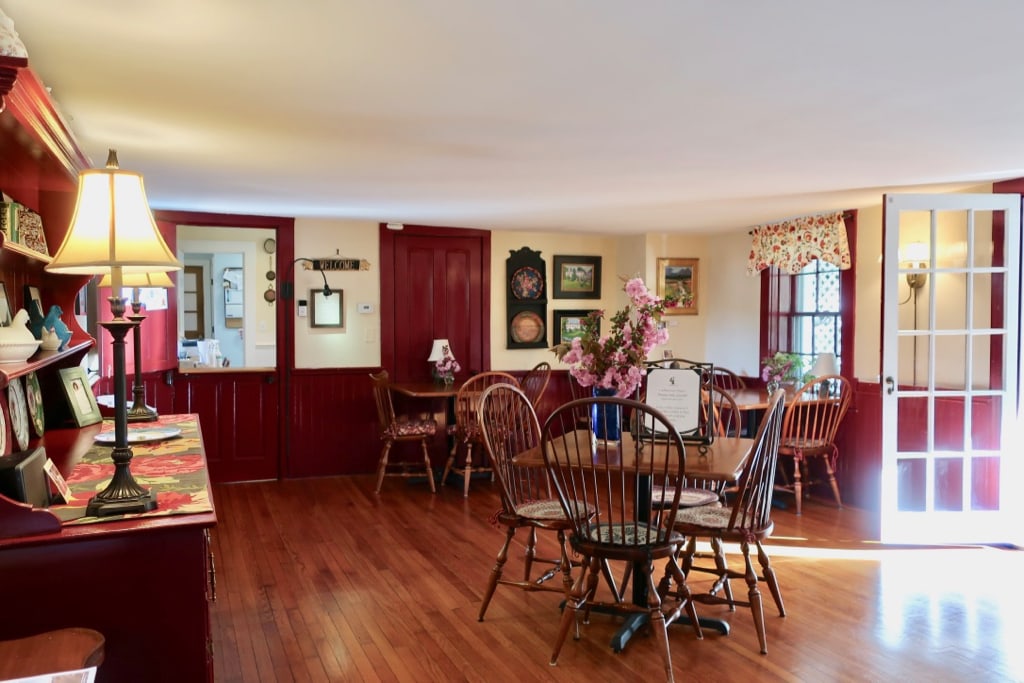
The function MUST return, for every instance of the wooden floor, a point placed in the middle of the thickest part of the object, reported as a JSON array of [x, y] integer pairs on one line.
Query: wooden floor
[[321, 580]]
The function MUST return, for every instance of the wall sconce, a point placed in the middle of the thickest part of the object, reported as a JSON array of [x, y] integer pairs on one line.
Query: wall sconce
[[113, 232], [914, 256]]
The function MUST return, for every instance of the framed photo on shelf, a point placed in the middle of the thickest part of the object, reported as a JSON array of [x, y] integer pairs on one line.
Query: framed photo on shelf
[[577, 277], [84, 409], [32, 295], [678, 277], [5, 307], [568, 325]]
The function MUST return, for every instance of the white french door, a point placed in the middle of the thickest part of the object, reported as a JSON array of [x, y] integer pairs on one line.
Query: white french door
[[950, 369]]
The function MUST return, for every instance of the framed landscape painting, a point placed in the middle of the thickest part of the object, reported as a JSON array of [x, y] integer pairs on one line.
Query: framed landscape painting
[[678, 277], [569, 325], [577, 277]]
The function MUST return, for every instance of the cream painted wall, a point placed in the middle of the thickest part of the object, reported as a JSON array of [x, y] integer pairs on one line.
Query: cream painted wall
[[358, 343], [725, 330]]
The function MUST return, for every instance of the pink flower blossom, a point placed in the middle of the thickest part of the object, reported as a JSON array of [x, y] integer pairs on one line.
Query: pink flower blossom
[[616, 360]]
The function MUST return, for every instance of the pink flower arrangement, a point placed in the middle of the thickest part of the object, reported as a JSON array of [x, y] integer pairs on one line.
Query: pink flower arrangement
[[446, 368], [616, 360]]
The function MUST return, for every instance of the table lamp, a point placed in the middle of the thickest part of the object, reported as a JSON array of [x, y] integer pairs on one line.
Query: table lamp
[[439, 350], [824, 365], [139, 411], [113, 232]]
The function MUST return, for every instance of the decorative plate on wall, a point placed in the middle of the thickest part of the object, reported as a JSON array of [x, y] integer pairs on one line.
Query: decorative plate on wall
[[527, 327], [19, 413], [35, 403], [527, 283]]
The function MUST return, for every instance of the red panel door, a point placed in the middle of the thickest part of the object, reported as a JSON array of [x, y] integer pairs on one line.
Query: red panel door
[[435, 283]]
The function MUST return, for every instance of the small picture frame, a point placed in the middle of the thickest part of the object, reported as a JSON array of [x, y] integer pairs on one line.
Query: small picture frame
[[84, 409], [32, 296], [327, 311], [568, 325], [678, 276], [577, 277], [5, 307]]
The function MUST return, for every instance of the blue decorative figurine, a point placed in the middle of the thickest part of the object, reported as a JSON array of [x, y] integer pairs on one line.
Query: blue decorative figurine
[[53, 321]]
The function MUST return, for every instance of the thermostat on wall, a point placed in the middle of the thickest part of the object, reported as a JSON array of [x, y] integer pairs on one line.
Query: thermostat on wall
[[365, 308]]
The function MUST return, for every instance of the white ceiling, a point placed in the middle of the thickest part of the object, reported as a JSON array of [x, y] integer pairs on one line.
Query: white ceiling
[[614, 116]]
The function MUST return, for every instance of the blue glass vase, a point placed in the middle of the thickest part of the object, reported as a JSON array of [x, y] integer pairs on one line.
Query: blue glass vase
[[606, 417]]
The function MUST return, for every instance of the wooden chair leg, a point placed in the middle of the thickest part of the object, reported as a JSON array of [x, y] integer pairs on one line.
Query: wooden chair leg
[[657, 621], [754, 597], [723, 570], [426, 463], [530, 554], [769, 577], [449, 462], [577, 598], [383, 464], [467, 471], [496, 571], [832, 480], [798, 490]]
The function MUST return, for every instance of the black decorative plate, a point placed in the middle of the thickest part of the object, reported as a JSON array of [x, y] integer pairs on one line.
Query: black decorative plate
[[527, 327], [35, 403], [527, 283], [19, 413]]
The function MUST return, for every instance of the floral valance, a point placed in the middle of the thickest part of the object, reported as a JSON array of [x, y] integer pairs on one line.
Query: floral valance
[[792, 244]]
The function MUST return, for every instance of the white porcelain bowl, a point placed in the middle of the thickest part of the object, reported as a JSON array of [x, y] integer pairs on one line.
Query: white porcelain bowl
[[18, 352]]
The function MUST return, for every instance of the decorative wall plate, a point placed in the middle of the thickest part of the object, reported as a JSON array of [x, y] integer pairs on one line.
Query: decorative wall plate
[[527, 327], [19, 413], [527, 283], [35, 403]]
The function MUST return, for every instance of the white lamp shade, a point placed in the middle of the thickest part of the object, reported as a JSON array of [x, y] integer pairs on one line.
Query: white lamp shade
[[439, 350], [112, 227], [161, 280], [915, 254], [825, 364]]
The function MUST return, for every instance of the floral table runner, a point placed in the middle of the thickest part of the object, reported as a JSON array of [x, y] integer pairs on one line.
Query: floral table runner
[[173, 468]]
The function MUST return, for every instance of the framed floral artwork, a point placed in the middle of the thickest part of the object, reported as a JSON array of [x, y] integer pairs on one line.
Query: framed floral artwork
[[568, 325], [577, 277], [678, 277]]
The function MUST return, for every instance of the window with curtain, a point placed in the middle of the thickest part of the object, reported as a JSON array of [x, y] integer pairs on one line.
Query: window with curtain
[[807, 287]]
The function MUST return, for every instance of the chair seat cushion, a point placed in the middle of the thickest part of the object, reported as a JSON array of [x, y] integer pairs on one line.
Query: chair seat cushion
[[688, 497], [625, 534], [548, 509], [799, 443], [412, 428], [708, 516]]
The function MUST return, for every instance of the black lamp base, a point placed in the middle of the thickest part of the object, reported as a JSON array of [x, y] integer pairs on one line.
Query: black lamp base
[[142, 413], [123, 494], [98, 507]]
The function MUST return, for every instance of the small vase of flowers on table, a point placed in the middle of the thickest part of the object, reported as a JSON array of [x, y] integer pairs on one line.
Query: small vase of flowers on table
[[613, 364], [446, 367], [781, 368]]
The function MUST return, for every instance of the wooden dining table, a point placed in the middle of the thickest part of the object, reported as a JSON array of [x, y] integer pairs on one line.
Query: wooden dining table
[[722, 460]]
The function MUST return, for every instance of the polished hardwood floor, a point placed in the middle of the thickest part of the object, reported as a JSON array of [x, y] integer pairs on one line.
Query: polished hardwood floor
[[321, 580]]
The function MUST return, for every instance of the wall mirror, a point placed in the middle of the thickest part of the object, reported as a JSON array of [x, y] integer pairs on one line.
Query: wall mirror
[[326, 311]]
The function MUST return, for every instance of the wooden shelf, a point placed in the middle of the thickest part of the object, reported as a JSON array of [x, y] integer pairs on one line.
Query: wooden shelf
[[21, 249], [42, 359]]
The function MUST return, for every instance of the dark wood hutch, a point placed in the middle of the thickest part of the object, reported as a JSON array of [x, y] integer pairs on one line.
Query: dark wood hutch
[[144, 584]]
